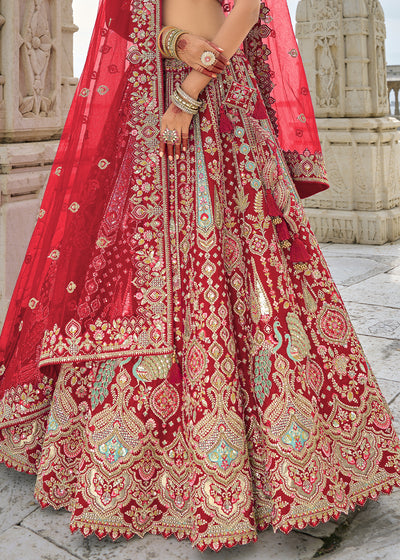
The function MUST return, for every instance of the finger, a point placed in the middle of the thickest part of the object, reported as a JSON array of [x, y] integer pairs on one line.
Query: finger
[[219, 62], [217, 67], [178, 150], [216, 47], [202, 70], [185, 142], [170, 148], [210, 73], [219, 52], [222, 59], [162, 148]]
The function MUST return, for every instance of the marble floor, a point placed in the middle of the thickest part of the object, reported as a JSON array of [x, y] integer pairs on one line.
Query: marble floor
[[369, 281]]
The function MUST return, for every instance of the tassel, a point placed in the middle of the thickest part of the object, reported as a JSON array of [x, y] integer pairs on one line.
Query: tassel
[[298, 251], [175, 373], [273, 209], [260, 112], [282, 231], [225, 124]]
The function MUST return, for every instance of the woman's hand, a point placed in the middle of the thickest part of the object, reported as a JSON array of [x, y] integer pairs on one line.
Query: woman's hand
[[190, 48], [175, 119]]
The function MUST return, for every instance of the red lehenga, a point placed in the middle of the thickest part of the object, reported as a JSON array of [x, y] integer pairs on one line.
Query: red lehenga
[[274, 417]]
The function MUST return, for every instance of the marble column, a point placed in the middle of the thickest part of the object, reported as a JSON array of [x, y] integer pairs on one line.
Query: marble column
[[36, 89], [343, 48]]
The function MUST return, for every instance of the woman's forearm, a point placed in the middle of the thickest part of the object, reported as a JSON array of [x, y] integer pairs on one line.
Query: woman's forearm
[[231, 35]]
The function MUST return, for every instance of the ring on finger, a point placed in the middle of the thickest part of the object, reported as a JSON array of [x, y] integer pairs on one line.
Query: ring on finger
[[208, 58], [170, 136]]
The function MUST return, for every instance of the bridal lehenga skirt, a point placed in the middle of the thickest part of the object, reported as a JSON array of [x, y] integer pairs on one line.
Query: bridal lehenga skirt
[[277, 420]]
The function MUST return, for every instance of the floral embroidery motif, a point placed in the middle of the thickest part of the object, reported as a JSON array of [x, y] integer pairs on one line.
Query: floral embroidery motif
[[103, 164], [223, 455], [71, 287], [103, 90], [295, 436], [33, 303], [333, 324], [113, 450], [165, 401], [306, 164], [74, 207], [54, 255]]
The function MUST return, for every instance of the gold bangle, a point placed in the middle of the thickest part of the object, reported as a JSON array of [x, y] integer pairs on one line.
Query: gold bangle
[[160, 37], [170, 40]]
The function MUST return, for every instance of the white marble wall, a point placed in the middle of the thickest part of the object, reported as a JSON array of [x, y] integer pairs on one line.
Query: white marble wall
[[36, 89], [343, 48]]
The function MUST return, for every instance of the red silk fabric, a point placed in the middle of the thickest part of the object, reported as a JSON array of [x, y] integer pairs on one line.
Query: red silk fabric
[[272, 50], [82, 206], [96, 132]]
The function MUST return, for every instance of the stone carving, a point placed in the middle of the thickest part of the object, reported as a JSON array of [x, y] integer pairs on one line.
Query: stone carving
[[326, 72], [381, 73], [36, 89], [343, 45], [36, 47], [324, 9], [375, 8], [2, 80]]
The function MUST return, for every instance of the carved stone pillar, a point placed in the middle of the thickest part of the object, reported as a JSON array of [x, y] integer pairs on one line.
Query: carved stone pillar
[[343, 47], [36, 89]]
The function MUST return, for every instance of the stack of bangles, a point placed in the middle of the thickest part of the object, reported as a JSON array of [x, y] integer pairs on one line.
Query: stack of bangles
[[167, 41], [185, 102]]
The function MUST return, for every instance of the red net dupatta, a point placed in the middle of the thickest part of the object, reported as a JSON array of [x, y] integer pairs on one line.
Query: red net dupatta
[[56, 314], [272, 50]]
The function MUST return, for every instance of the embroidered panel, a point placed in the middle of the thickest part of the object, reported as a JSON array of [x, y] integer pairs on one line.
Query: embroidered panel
[[278, 420]]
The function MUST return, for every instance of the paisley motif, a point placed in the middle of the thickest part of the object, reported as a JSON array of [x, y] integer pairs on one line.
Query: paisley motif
[[196, 361], [315, 376], [164, 401], [231, 251]]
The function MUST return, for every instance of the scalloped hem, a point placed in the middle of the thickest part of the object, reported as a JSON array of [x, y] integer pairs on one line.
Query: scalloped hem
[[216, 543], [16, 465]]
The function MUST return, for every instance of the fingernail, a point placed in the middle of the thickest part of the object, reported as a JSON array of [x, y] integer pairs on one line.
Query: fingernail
[[170, 158], [161, 154], [177, 156], [214, 75]]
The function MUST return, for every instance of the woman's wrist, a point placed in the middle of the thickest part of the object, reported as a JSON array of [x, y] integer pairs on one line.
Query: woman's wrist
[[194, 83]]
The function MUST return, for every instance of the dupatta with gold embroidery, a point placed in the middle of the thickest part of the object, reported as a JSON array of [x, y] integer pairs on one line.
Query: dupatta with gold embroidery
[[57, 314]]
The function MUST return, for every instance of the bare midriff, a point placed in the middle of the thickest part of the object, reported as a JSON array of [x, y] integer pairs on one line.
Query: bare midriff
[[199, 17]]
